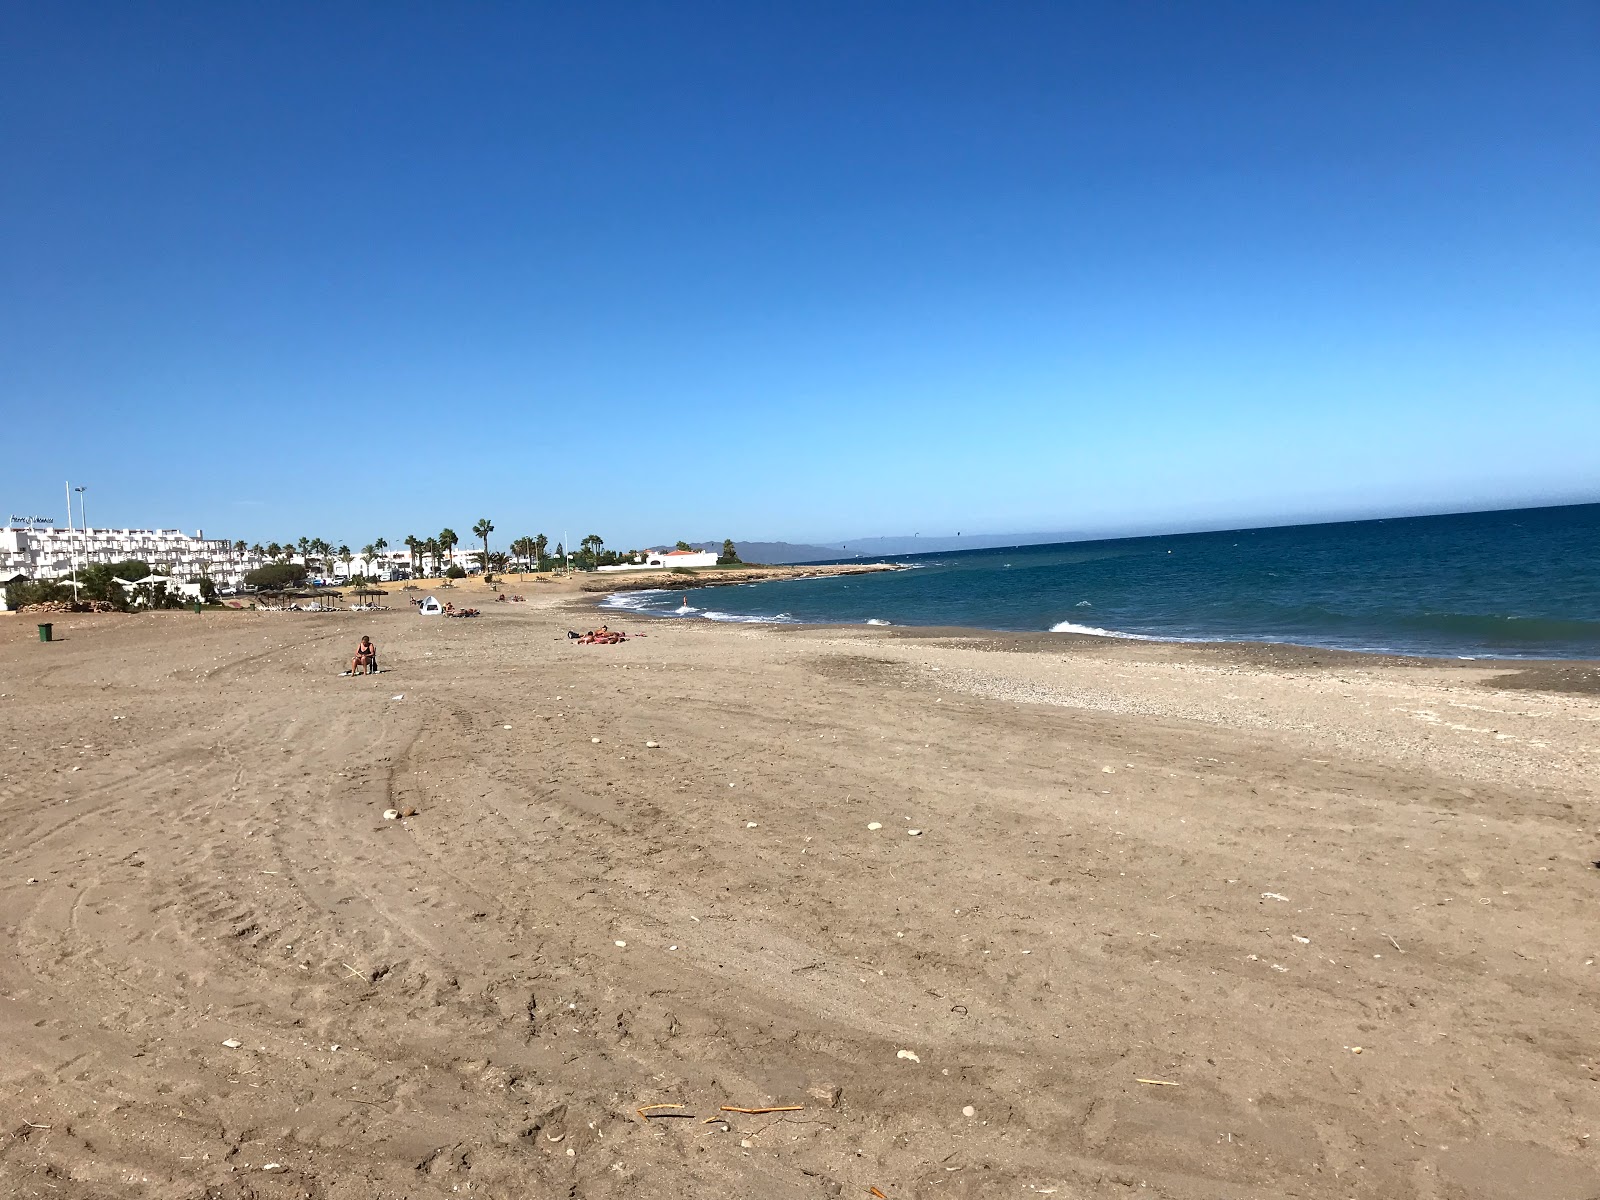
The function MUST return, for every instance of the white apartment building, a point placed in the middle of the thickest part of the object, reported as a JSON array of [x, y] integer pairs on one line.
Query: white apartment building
[[39, 553], [49, 553], [658, 559]]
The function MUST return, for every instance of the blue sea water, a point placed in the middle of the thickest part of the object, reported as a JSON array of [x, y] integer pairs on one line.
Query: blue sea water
[[1513, 584]]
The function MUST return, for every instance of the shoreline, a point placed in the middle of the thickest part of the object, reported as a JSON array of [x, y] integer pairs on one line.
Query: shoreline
[[1577, 674]]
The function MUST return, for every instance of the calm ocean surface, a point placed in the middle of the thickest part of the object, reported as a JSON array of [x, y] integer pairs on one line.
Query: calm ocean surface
[[1518, 584]]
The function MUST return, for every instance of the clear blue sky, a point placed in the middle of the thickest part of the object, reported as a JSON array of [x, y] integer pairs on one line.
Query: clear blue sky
[[796, 271]]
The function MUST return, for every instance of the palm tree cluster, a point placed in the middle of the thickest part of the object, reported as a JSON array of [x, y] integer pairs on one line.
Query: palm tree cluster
[[317, 554], [437, 554]]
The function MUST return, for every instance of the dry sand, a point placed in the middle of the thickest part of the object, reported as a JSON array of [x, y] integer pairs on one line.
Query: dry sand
[[1345, 905]]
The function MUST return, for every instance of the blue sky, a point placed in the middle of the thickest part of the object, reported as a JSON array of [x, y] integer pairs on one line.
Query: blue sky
[[800, 271]]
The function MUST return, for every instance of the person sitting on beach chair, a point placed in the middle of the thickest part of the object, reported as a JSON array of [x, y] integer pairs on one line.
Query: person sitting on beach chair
[[366, 660]]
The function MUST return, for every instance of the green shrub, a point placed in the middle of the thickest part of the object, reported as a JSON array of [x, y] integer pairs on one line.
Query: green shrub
[[42, 592], [456, 572], [276, 575]]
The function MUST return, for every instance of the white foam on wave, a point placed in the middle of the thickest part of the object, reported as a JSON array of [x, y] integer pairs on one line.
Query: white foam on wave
[[1096, 631], [746, 619], [635, 601], [875, 621]]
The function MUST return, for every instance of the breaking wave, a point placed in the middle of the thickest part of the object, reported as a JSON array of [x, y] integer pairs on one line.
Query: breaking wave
[[1096, 631]]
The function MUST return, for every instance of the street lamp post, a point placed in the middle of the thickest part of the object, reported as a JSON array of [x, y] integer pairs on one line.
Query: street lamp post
[[83, 522], [72, 552]]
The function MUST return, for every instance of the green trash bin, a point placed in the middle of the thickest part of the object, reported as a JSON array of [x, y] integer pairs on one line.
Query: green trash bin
[[47, 632], [197, 608]]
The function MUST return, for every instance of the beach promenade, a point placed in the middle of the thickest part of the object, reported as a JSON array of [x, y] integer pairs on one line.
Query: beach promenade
[[977, 915]]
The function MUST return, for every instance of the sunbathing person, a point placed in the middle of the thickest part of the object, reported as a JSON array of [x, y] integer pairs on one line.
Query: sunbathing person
[[366, 660]]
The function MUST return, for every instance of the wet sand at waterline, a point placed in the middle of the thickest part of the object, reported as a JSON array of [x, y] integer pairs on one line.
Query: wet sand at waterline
[[1180, 921]]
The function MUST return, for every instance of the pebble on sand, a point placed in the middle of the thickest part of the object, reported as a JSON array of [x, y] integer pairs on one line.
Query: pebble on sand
[[908, 1055], [233, 1043], [969, 1111], [390, 814], [620, 945], [913, 833], [596, 741], [652, 745], [874, 824], [750, 825]]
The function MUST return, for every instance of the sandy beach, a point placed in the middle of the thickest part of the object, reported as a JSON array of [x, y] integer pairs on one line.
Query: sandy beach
[[983, 915]]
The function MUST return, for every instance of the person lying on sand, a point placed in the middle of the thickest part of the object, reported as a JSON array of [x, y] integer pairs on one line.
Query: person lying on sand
[[602, 637], [366, 659]]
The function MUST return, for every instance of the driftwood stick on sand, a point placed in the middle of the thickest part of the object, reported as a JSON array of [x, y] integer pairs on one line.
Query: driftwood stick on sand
[[755, 1112], [649, 1110]]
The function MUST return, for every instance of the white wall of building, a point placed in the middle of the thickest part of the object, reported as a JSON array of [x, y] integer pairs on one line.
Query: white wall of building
[[53, 553]]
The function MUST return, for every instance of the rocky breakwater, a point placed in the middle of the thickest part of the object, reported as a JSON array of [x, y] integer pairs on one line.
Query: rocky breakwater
[[633, 581]]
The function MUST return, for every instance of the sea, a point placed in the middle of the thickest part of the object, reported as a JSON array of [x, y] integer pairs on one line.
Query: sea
[[1521, 583]]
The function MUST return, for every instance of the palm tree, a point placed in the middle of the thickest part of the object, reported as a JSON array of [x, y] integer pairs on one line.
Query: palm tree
[[431, 549], [368, 553], [482, 530], [305, 551], [345, 556], [540, 545], [414, 545], [498, 560], [526, 550], [448, 541], [273, 550], [592, 545], [257, 551], [324, 553], [379, 545]]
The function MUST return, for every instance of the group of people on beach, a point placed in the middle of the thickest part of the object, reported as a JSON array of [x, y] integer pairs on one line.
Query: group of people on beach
[[365, 661], [599, 637]]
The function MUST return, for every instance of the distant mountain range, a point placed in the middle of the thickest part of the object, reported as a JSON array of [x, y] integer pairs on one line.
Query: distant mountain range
[[880, 547]]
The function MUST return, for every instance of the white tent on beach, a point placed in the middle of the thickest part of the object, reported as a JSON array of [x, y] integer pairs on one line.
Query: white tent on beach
[[431, 607]]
